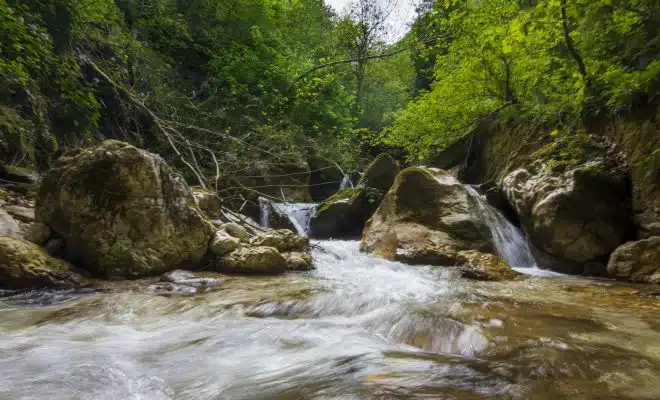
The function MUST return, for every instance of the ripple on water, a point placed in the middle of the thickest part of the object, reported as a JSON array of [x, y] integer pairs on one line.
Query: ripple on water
[[357, 327]]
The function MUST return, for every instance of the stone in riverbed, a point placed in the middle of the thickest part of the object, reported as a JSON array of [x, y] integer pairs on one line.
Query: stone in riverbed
[[223, 243], [636, 261], [573, 201], [484, 267], [297, 261], [122, 212], [24, 265], [282, 240], [253, 260], [235, 230], [426, 218], [347, 211]]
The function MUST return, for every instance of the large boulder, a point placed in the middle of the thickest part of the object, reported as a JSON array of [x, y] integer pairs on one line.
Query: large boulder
[[380, 174], [345, 213], [24, 265], [573, 201], [253, 260], [122, 212], [426, 218], [636, 261], [8, 226]]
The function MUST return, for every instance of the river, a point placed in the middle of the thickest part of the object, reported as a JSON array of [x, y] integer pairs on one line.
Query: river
[[357, 327]]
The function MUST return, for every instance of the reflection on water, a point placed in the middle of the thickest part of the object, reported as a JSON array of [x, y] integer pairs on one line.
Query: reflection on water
[[356, 328]]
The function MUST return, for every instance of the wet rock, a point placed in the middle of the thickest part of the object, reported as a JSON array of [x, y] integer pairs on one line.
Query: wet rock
[[171, 289], [425, 218], [122, 212], [8, 226], [253, 260], [297, 261], [209, 202], [380, 174], [572, 201], [24, 265], [223, 243], [24, 214], [484, 267], [636, 261], [18, 175], [282, 240], [38, 233], [236, 230], [275, 218], [346, 213]]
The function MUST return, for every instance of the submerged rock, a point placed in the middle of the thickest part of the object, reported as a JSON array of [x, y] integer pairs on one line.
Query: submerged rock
[[282, 240], [8, 226], [24, 265], [425, 219], [636, 261], [122, 212], [253, 260], [572, 201], [345, 213], [484, 267], [181, 282]]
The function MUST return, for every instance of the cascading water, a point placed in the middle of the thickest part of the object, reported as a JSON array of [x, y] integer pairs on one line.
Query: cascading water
[[300, 214], [509, 242], [346, 182]]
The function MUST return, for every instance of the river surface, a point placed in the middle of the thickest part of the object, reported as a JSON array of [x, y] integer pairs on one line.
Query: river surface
[[355, 328]]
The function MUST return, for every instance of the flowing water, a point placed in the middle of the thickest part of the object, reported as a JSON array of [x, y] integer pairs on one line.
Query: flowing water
[[300, 214], [509, 242], [357, 327], [346, 182]]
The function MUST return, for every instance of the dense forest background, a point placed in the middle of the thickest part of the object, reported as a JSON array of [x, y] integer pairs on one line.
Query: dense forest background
[[218, 86]]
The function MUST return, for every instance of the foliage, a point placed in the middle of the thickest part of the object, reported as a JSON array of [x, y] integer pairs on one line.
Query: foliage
[[526, 57]]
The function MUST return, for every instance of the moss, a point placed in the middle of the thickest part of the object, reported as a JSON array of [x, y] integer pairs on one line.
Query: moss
[[344, 194], [568, 150]]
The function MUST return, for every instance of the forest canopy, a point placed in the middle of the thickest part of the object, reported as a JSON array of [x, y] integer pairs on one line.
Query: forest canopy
[[213, 85]]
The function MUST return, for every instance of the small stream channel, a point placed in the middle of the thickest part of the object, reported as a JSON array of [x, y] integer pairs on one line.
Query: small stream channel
[[357, 327]]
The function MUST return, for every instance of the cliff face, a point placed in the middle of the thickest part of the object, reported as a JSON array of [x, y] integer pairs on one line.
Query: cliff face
[[497, 149]]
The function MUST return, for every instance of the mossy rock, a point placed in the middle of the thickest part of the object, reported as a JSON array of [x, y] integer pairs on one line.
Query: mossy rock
[[426, 218], [344, 214], [253, 260], [380, 173], [122, 212], [325, 177], [24, 265]]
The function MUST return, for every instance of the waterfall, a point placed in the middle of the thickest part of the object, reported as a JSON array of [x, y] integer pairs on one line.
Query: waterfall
[[264, 212], [300, 214], [346, 182], [509, 242]]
